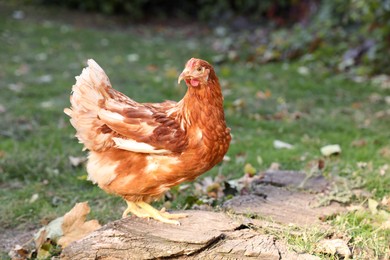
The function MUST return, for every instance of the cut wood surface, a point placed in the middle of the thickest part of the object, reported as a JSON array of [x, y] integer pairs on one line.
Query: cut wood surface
[[203, 235], [283, 206], [286, 197], [215, 235]]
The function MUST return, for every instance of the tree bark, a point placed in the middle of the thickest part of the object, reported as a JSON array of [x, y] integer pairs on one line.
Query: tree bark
[[203, 235]]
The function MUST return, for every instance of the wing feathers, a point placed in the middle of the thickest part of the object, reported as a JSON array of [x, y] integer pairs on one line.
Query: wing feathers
[[138, 147], [104, 118]]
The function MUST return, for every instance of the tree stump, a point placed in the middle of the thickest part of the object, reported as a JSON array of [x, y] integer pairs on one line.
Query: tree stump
[[203, 235], [278, 197]]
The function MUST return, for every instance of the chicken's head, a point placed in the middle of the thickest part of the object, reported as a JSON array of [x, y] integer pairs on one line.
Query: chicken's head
[[196, 73]]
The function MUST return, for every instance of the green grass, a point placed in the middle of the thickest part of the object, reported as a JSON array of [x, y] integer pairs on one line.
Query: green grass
[[39, 59]]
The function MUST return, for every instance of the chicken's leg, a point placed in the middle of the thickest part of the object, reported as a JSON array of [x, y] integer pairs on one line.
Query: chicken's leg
[[133, 208]]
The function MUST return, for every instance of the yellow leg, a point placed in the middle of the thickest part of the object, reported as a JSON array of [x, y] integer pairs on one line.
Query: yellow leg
[[134, 209], [158, 215]]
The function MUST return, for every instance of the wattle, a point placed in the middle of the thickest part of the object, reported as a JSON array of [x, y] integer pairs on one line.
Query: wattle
[[194, 82]]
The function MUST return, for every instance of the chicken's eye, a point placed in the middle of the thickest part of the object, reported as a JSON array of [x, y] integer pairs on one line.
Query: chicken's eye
[[199, 69]]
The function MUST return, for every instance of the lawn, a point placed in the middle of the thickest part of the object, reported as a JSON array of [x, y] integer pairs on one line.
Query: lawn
[[299, 104]]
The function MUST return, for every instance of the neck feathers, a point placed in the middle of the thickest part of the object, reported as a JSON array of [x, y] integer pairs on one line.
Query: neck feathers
[[204, 104]]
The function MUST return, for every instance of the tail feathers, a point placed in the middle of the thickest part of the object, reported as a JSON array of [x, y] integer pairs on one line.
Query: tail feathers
[[91, 88]]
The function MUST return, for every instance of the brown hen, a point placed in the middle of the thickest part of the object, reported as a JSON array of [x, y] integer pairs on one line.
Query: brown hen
[[139, 151]]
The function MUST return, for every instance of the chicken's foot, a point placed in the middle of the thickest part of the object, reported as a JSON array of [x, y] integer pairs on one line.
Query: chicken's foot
[[158, 215], [171, 215], [144, 210]]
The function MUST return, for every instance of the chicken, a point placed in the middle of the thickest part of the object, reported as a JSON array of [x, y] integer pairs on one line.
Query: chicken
[[140, 150]]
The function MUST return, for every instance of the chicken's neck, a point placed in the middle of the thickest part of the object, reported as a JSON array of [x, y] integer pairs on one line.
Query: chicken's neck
[[202, 116], [203, 106]]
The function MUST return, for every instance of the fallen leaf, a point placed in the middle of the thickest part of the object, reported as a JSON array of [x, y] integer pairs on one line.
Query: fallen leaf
[[383, 169], [282, 145], [385, 152], [361, 193], [387, 100], [239, 104], [375, 98], [133, 57], [373, 205], [334, 246], [386, 202], [52, 232], [264, 95], [362, 165], [18, 15], [226, 158], [274, 166], [40, 239], [16, 87], [242, 185], [259, 160], [76, 161], [382, 114], [43, 245], [359, 143], [41, 56], [383, 81], [34, 197], [355, 208], [152, 68], [45, 79], [74, 226], [332, 149], [47, 104], [19, 253], [385, 225], [249, 169], [303, 70], [356, 105], [240, 158]]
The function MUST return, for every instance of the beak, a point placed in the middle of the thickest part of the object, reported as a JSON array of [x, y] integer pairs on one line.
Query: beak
[[183, 75]]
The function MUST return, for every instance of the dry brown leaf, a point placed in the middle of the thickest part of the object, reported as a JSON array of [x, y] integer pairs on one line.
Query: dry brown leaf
[[386, 225], [2, 109], [385, 152], [386, 202], [356, 105], [359, 143], [274, 166], [373, 206], [264, 95], [383, 169], [41, 239], [334, 246], [19, 253], [355, 208], [74, 226]]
